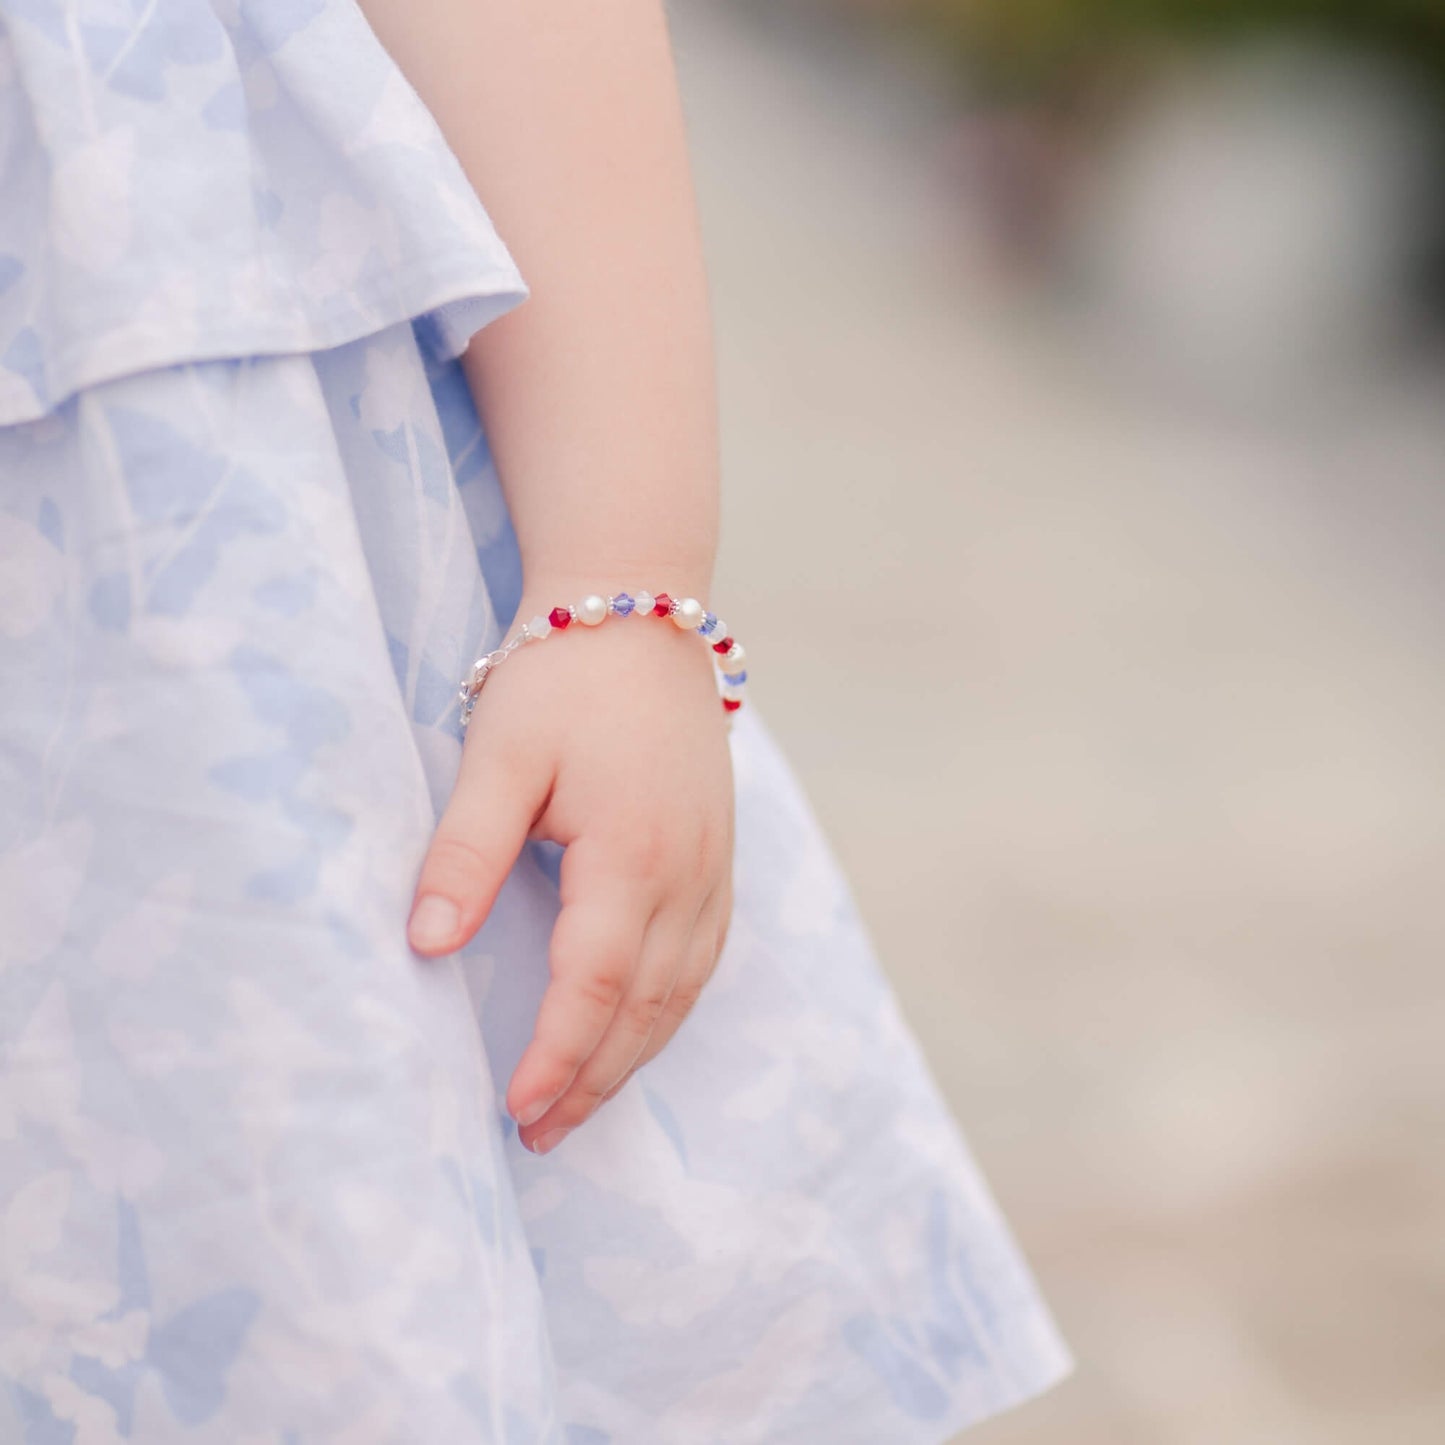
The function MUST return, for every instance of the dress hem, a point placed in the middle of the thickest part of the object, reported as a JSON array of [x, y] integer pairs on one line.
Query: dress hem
[[1039, 1383]]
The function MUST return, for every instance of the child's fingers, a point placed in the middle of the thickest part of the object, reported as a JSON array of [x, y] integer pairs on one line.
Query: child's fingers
[[627, 1032], [594, 951], [480, 834], [704, 949]]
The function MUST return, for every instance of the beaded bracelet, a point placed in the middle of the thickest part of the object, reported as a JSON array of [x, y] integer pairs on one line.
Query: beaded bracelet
[[687, 614]]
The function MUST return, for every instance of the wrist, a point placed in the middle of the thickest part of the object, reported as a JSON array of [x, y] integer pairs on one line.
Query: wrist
[[634, 613], [553, 583]]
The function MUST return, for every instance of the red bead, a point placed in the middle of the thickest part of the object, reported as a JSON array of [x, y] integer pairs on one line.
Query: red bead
[[731, 704], [724, 646], [559, 617], [662, 606]]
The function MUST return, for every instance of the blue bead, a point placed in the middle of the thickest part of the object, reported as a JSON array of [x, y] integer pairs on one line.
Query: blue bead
[[734, 678], [622, 604], [707, 624]]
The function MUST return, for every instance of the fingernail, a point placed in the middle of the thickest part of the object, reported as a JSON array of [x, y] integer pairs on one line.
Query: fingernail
[[545, 1143], [434, 922], [534, 1111]]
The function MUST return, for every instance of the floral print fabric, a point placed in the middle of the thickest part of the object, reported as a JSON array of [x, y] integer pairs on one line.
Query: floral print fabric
[[256, 1183]]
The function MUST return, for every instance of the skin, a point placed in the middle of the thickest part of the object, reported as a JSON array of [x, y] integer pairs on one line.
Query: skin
[[598, 399]]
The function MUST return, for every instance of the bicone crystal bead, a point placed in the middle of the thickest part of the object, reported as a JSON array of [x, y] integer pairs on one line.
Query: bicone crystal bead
[[539, 627], [644, 603], [735, 679], [622, 604], [662, 605], [707, 624], [725, 645], [731, 704], [559, 617]]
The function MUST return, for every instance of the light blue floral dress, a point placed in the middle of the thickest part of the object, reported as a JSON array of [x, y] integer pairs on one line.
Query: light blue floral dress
[[256, 1183]]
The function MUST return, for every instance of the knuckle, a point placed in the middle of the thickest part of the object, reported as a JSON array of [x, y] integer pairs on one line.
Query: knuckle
[[684, 998], [452, 856], [645, 1008], [591, 1090], [697, 868], [693, 858], [601, 989], [579, 954], [566, 1065], [647, 850], [564, 1057], [717, 832]]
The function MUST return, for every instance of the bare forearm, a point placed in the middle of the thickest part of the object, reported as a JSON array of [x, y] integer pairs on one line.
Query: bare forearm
[[598, 392]]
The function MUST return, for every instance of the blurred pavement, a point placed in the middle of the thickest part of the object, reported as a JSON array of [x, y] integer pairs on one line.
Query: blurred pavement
[[1129, 726]]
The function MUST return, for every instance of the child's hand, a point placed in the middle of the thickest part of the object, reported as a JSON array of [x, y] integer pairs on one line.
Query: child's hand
[[611, 741]]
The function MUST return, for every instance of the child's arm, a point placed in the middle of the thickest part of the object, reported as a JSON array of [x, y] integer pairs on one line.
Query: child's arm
[[598, 399]]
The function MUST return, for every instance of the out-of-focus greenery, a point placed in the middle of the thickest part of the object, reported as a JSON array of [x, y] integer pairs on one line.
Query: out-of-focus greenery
[[1035, 46]]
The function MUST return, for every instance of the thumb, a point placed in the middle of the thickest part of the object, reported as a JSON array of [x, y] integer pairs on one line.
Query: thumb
[[492, 808]]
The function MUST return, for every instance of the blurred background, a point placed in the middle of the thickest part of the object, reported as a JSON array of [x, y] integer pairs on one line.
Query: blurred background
[[1084, 427]]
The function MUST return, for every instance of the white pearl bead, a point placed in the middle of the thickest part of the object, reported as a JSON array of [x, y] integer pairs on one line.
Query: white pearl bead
[[645, 603], [733, 659], [689, 614], [539, 627], [591, 610]]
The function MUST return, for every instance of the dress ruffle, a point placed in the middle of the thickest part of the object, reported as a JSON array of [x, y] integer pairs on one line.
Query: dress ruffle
[[195, 179]]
